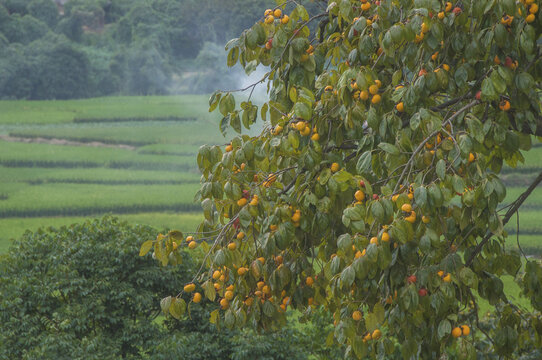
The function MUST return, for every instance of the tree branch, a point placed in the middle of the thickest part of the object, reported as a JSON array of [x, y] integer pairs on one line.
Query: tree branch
[[519, 201]]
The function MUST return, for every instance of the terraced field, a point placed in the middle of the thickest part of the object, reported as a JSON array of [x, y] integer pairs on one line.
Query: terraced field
[[135, 157], [61, 161]]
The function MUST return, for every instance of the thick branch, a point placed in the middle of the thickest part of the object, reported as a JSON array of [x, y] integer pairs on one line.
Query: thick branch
[[519, 201]]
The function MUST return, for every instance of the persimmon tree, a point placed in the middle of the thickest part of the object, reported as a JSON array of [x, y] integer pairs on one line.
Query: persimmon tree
[[374, 190]]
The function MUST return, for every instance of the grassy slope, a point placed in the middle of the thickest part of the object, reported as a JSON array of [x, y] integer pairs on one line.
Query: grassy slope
[[82, 199], [65, 111], [94, 180], [99, 175]]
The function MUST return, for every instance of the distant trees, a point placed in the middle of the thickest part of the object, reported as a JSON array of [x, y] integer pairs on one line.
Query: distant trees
[[123, 46]]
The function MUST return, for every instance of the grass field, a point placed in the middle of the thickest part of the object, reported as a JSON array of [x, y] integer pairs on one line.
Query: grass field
[[66, 111], [153, 182], [157, 174]]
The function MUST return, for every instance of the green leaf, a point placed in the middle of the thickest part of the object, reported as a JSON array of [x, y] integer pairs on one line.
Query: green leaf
[[177, 308], [444, 329], [302, 110], [348, 276], [145, 247], [227, 104], [389, 148], [488, 91], [165, 303], [441, 169], [525, 82], [214, 316], [420, 195], [363, 165]]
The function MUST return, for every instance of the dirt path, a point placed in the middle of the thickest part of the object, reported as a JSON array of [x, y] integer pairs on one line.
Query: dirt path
[[39, 140]]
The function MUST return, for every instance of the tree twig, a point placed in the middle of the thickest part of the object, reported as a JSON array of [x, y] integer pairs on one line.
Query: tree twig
[[519, 201]]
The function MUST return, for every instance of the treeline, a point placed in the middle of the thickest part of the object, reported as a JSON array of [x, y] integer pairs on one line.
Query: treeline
[[89, 48]]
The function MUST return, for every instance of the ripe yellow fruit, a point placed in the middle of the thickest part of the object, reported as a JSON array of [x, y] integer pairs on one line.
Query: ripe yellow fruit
[[456, 332], [395, 197], [189, 288], [374, 240], [309, 281], [376, 334], [504, 105], [411, 218], [533, 9], [448, 6], [242, 202], [530, 18], [269, 19], [425, 219], [216, 275], [440, 273], [249, 301], [366, 6], [441, 15], [447, 278], [228, 295], [261, 260], [196, 298], [241, 235], [315, 137], [306, 131], [356, 315], [335, 167], [300, 125], [434, 56], [465, 329], [373, 89], [425, 28], [277, 130], [385, 237], [224, 303], [376, 99], [296, 217], [359, 195], [363, 95], [268, 12], [229, 148], [192, 245], [285, 19], [232, 246], [189, 238], [358, 254], [266, 290], [400, 107], [378, 83], [277, 13], [242, 271], [260, 285], [471, 157], [406, 208]]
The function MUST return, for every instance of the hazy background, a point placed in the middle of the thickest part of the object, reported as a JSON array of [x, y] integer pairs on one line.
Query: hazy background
[[59, 49]]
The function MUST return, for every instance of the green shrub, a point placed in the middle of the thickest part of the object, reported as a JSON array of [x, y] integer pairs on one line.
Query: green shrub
[[82, 292]]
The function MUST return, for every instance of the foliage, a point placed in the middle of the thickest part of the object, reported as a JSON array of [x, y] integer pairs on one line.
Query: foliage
[[129, 47], [374, 189], [81, 292]]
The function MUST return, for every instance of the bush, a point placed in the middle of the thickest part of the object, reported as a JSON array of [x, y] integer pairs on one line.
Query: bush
[[82, 292]]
